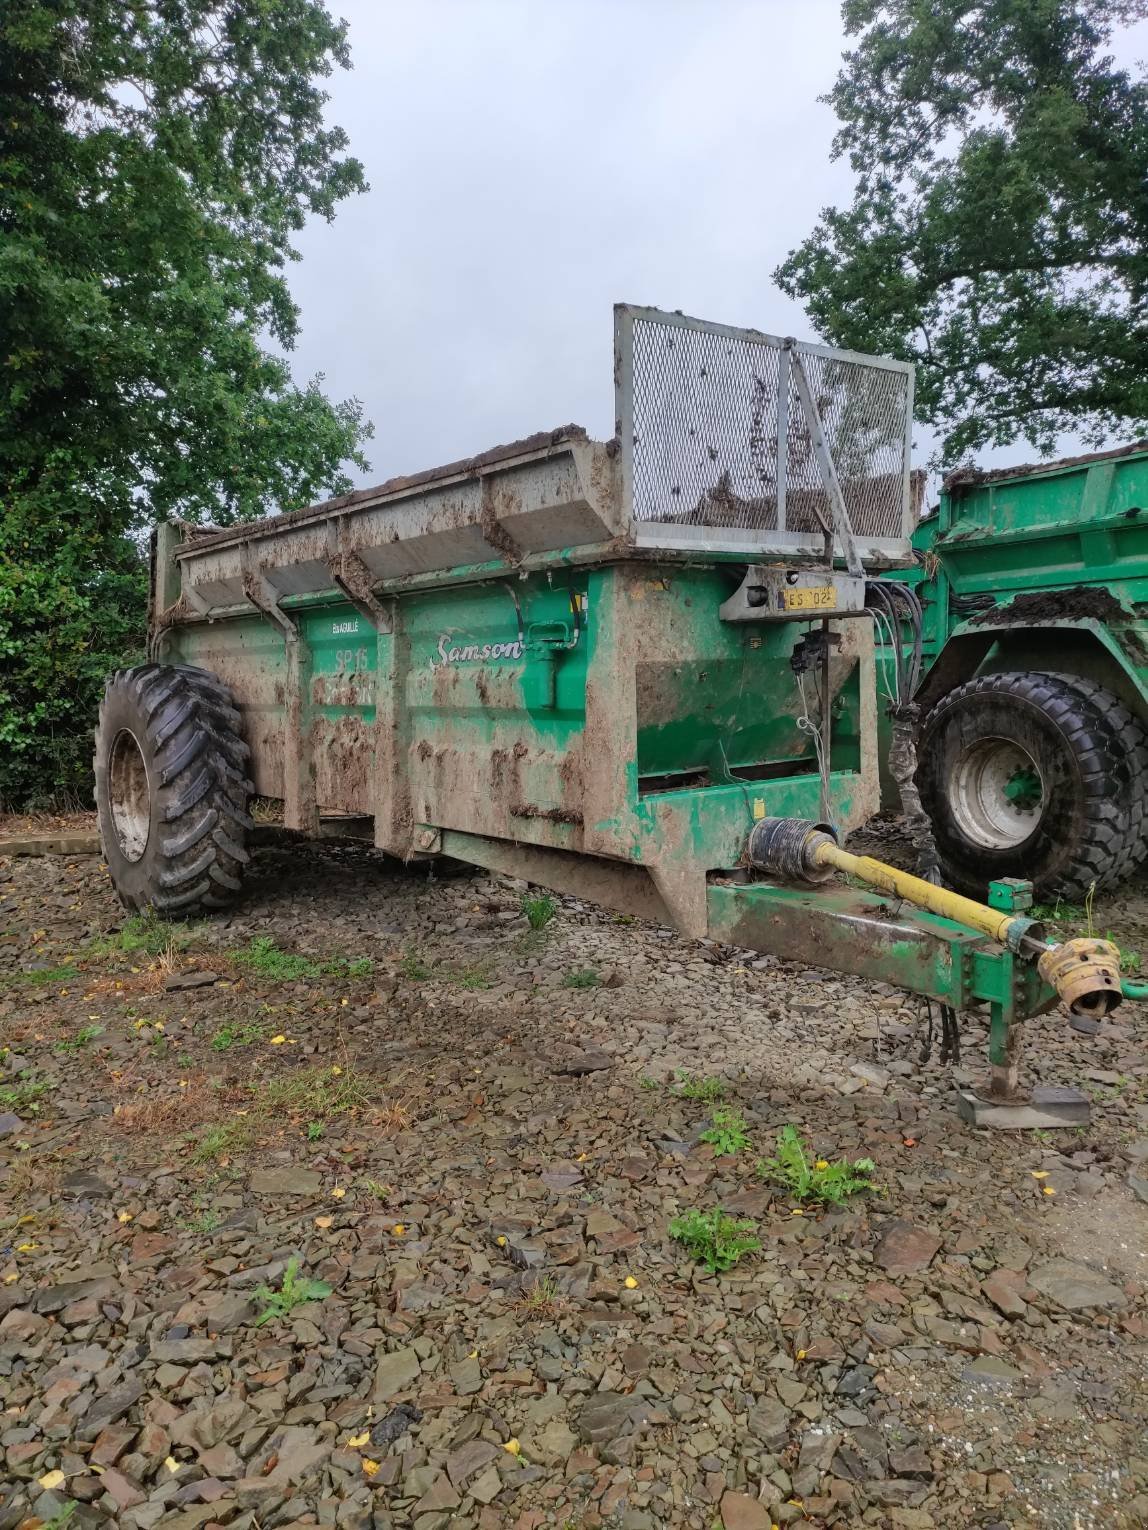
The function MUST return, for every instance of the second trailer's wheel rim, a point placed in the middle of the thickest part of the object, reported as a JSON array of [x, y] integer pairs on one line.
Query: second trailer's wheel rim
[[996, 793], [129, 795]]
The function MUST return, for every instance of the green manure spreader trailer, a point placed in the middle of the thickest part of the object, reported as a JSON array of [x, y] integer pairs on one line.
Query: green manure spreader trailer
[[1031, 699], [638, 671]]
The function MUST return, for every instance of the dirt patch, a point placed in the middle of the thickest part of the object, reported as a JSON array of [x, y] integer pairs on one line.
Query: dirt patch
[[1079, 604], [974, 475], [474, 1138]]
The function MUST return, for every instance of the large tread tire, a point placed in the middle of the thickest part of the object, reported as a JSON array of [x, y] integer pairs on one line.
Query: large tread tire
[[1090, 752], [1132, 740], [172, 789]]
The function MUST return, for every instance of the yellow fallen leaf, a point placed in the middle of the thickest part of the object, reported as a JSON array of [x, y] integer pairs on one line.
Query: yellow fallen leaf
[[336, 1070], [822, 1163], [324, 1222], [338, 1192], [801, 1354], [398, 1229], [157, 1025], [183, 1083], [513, 1447], [630, 1283], [1048, 1190], [173, 1465], [357, 1441], [1039, 1173], [501, 1240], [51, 1480], [370, 1467], [125, 1216], [277, 1041], [582, 1157], [10, 1276], [27, 1248], [796, 1211]]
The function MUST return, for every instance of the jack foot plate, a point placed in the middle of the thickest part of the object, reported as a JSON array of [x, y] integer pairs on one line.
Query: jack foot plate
[[1047, 1106]]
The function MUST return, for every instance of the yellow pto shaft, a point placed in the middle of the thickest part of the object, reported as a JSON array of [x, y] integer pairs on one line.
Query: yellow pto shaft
[[938, 900], [1084, 972]]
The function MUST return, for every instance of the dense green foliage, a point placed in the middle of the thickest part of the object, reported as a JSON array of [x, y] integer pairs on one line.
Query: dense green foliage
[[157, 158], [998, 234]]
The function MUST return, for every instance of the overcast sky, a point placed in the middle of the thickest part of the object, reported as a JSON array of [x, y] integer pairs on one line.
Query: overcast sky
[[532, 162]]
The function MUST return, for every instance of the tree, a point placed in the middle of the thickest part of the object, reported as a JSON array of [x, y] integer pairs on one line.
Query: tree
[[156, 159], [998, 233]]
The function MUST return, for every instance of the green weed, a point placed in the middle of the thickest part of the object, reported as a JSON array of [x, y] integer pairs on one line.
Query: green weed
[[234, 1034], [145, 932], [264, 957], [476, 975], [85, 1034], [41, 977], [223, 1139], [831, 1184], [381, 1192], [295, 1290], [414, 968], [647, 1082], [1057, 913], [62, 1517], [714, 1238], [727, 1135], [1129, 960], [204, 1223], [539, 909], [581, 977], [314, 1130], [23, 1096], [708, 1090]]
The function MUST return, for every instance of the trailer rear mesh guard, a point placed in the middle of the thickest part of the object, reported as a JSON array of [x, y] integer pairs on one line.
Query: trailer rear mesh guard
[[715, 439]]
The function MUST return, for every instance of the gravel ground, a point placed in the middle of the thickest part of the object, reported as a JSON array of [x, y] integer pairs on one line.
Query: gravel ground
[[474, 1135]]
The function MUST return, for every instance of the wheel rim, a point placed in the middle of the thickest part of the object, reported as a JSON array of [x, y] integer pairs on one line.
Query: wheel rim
[[996, 793], [129, 795]]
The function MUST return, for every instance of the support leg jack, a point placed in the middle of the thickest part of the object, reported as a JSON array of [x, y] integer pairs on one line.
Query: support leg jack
[[1003, 1105]]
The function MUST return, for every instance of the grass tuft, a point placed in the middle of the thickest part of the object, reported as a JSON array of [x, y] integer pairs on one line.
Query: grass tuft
[[708, 1090], [267, 959], [581, 977], [539, 909]]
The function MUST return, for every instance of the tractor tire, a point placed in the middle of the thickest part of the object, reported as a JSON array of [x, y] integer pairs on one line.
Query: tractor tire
[[172, 789], [1034, 775]]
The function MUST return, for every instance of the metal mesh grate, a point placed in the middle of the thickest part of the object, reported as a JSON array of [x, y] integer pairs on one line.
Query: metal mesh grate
[[703, 411]]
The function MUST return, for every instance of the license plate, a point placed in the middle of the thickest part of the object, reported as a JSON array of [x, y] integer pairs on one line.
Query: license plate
[[817, 597]]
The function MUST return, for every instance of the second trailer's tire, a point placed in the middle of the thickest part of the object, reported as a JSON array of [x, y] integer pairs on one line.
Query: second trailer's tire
[[172, 789], [1038, 776]]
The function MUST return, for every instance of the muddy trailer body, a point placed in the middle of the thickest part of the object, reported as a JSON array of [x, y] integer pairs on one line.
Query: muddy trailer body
[[638, 671]]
